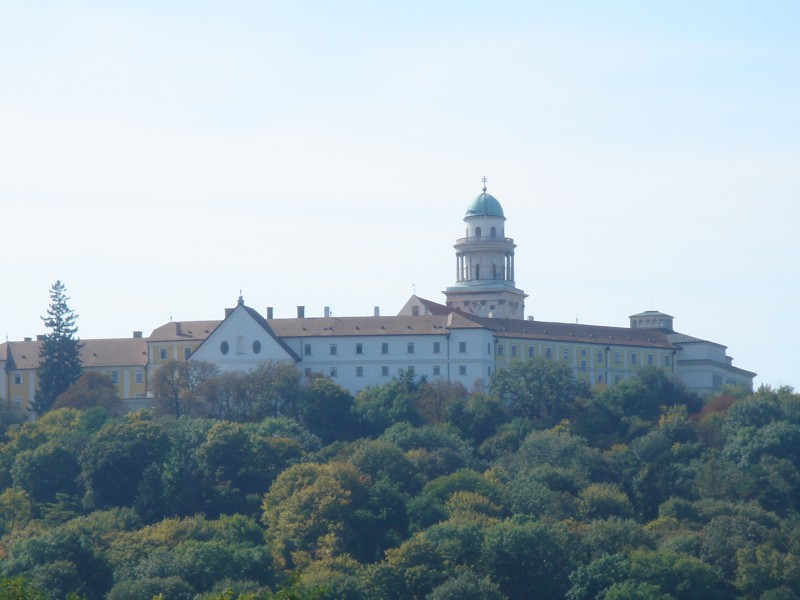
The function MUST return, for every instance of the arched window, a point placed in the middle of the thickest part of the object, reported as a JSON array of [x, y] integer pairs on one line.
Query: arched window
[[493, 232], [477, 271], [478, 232]]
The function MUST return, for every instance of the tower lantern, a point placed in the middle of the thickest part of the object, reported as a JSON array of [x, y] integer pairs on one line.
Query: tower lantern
[[485, 264]]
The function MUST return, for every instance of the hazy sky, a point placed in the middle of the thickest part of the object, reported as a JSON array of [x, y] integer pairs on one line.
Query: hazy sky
[[159, 156]]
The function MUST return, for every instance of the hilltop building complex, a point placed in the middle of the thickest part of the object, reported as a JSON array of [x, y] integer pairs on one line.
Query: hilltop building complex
[[481, 327]]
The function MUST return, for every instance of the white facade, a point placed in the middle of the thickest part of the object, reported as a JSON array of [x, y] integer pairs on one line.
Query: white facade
[[481, 328]]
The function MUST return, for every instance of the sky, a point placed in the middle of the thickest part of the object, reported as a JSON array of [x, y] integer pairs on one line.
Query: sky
[[159, 157]]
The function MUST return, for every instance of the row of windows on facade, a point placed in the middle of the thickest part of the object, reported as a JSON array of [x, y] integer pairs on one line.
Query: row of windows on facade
[[187, 352], [462, 348], [139, 377], [410, 348], [437, 371]]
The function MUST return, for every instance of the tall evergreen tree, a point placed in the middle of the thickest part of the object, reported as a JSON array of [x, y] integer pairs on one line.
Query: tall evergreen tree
[[59, 357]]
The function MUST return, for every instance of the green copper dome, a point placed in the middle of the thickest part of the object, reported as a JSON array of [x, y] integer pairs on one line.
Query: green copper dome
[[485, 205]]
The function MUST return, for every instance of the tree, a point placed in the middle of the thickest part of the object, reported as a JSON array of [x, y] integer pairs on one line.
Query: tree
[[92, 389], [179, 387], [59, 357], [327, 410], [540, 389]]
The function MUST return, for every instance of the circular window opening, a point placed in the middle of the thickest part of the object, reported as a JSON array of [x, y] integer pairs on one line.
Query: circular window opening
[[223, 347], [256, 347]]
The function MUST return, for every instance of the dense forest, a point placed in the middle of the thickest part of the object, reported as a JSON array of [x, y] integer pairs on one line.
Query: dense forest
[[266, 486]]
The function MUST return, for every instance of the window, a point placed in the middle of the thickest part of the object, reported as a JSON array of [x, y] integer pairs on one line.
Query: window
[[162, 353], [513, 350], [599, 378], [223, 347], [139, 376], [187, 352], [334, 371], [583, 365], [716, 381], [462, 347], [548, 352], [616, 357], [462, 370], [334, 350], [385, 371], [115, 376], [359, 371], [17, 400], [477, 232], [138, 396], [530, 352], [633, 359], [410, 347], [650, 359], [565, 354], [617, 377], [359, 348], [415, 311], [384, 348], [437, 370], [493, 232], [18, 378], [437, 347], [488, 347], [583, 352], [306, 349], [256, 347], [500, 350], [307, 371], [666, 361], [599, 356]]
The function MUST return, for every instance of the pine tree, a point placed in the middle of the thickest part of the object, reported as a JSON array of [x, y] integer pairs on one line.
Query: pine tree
[[59, 357]]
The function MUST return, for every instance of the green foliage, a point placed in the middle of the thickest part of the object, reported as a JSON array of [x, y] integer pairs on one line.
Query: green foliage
[[544, 390], [59, 355], [659, 502], [19, 588], [116, 459], [379, 407], [326, 409]]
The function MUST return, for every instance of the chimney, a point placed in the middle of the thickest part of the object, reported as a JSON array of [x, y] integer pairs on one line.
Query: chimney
[[376, 312], [40, 338], [327, 311], [301, 312], [137, 334], [29, 339], [530, 317], [269, 312], [178, 330]]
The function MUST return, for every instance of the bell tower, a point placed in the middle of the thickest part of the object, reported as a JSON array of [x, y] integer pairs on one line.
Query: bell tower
[[485, 264]]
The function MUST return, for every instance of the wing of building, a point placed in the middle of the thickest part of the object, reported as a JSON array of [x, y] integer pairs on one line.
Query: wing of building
[[481, 327]]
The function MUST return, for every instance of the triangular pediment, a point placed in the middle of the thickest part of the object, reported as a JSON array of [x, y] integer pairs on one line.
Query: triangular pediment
[[243, 341]]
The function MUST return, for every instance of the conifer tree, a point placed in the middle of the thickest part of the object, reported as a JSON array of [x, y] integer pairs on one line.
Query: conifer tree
[[59, 357]]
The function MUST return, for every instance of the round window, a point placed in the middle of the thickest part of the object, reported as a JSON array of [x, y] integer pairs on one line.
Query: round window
[[223, 347], [256, 347]]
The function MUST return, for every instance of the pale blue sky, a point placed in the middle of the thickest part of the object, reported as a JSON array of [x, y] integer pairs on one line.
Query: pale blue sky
[[647, 155]]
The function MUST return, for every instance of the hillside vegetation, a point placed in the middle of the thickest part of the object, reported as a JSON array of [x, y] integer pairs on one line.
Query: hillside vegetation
[[538, 487]]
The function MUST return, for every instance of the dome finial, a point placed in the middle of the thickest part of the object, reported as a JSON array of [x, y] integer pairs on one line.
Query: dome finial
[[484, 183]]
